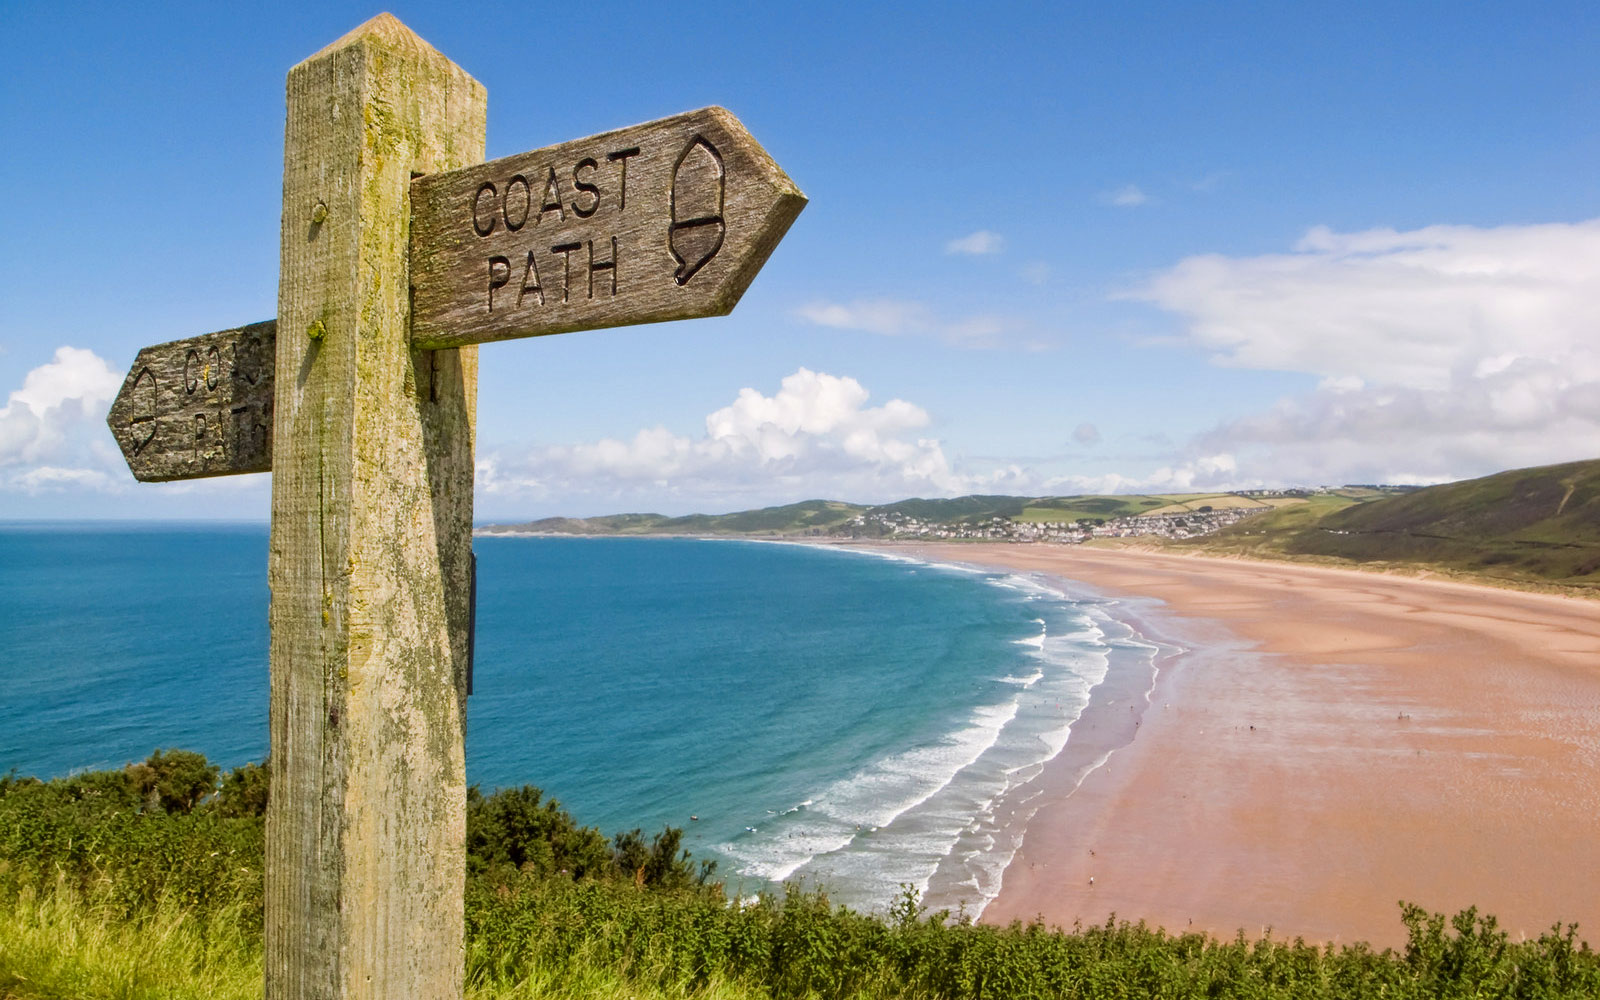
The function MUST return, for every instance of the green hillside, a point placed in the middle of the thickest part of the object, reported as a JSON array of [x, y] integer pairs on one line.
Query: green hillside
[[611, 524], [1089, 508], [1540, 525], [957, 509], [821, 516], [806, 517]]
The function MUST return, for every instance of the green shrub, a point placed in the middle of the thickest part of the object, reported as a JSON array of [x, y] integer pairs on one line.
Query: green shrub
[[244, 791], [173, 781], [130, 838], [554, 908]]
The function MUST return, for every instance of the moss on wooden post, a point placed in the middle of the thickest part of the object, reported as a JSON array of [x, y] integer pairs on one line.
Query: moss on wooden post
[[371, 538]]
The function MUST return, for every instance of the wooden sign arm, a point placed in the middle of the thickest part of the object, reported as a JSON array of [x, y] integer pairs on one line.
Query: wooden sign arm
[[199, 407]]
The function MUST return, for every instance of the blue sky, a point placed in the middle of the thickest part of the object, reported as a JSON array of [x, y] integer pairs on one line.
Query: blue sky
[[1050, 248]]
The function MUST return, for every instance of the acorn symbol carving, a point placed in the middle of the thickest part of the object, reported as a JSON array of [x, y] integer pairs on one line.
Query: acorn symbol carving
[[143, 383], [695, 233]]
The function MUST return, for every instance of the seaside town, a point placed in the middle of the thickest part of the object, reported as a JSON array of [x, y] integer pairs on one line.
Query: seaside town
[[1186, 524]]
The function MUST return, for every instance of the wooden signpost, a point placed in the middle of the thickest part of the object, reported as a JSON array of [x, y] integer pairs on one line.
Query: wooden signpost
[[397, 255]]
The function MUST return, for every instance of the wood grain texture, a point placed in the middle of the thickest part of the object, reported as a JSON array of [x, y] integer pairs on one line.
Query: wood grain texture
[[370, 550], [667, 220], [196, 407]]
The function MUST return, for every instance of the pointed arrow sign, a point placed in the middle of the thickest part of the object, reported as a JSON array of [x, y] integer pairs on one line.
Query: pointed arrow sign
[[667, 220], [198, 407]]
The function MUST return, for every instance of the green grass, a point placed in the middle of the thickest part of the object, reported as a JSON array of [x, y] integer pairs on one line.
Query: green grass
[[537, 937], [1077, 508], [121, 884], [1106, 507], [62, 943], [1266, 534], [1185, 503]]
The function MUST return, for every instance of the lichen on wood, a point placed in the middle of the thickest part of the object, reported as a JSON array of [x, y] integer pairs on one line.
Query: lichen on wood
[[371, 545]]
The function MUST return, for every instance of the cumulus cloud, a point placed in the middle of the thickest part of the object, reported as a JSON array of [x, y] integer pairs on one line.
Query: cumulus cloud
[[1197, 474], [52, 429], [816, 436], [1126, 196], [1534, 413], [1441, 352], [896, 317], [981, 242]]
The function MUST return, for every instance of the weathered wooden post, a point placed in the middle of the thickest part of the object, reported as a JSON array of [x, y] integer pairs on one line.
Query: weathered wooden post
[[397, 258], [371, 538]]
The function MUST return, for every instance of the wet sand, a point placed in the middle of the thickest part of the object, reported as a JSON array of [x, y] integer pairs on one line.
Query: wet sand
[[1330, 743]]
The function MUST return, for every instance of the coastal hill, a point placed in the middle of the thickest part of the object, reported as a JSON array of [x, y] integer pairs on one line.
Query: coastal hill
[[1539, 525], [836, 518], [806, 517]]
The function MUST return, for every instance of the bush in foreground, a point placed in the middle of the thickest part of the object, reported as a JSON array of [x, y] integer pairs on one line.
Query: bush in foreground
[[147, 882]]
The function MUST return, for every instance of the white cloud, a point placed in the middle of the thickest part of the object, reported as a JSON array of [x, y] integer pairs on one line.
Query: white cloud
[[46, 478], [1127, 196], [1200, 474], [981, 242], [1441, 352], [52, 429], [890, 317], [895, 317], [1532, 414], [1206, 472], [817, 436]]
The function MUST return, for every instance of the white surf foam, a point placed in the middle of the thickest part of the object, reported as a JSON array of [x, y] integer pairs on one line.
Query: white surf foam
[[948, 816]]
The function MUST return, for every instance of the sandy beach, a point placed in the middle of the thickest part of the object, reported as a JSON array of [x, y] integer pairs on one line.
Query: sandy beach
[[1329, 743]]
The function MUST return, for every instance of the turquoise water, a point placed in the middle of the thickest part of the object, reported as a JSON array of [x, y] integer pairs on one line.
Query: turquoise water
[[852, 720]]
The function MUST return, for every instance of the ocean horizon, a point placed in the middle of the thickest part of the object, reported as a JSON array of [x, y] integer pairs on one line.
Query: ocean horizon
[[855, 720]]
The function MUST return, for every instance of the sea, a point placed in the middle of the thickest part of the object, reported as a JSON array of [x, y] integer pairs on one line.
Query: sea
[[856, 721]]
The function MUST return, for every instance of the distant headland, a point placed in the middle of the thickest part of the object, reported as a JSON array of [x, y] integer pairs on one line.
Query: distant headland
[[1536, 527]]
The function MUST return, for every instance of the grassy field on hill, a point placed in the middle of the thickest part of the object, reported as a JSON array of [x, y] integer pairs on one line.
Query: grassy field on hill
[[1190, 502], [1088, 507], [812, 517], [1538, 525], [147, 882]]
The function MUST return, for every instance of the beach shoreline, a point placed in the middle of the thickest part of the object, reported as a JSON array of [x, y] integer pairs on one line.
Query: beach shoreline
[[1328, 743]]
